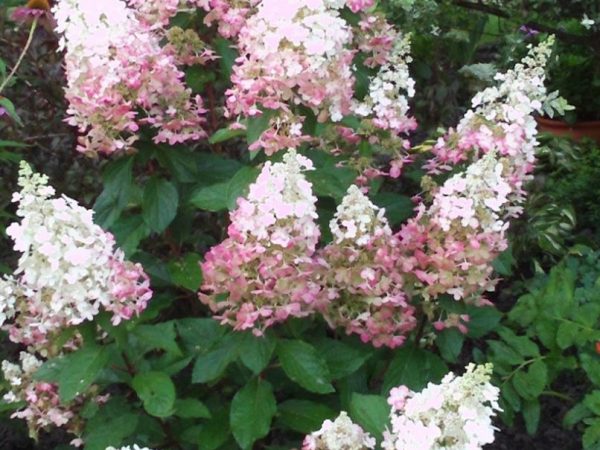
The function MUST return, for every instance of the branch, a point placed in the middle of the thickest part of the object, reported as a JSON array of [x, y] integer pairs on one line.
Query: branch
[[592, 41]]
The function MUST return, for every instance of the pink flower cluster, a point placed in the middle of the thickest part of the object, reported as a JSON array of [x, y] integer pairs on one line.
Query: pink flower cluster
[[67, 272], [263, 272], [339, 434], [301, 53], [115, 69], [365, 288], [453, 242], [454, 415], [368, 278], [268, 269], [43, 407], [68, 269], [293, 52], [389, 91]]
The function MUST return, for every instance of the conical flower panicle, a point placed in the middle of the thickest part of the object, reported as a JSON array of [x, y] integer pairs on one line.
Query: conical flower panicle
[[264, 272], [364, 287]]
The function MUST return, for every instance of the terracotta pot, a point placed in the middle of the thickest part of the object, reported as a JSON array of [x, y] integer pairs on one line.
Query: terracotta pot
[[576, 131]]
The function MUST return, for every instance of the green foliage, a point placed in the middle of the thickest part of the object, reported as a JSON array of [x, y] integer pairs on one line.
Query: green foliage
[[552, 331]]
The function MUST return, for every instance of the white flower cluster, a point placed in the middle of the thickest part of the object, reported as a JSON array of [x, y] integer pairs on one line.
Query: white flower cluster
[[453, 415], [357, 219], [281, 195], [313, 25], [476, 197], [68, 267], [129, 447], [511, 104], [18, 375], [390, 89], [303, 43], [341, 434], [90, 28], [9, 292]]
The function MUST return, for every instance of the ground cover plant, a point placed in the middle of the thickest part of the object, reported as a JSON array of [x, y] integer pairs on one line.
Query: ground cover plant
[[266, 224]]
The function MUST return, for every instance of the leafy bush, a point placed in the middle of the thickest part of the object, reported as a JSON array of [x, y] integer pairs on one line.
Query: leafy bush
[[270, 261]]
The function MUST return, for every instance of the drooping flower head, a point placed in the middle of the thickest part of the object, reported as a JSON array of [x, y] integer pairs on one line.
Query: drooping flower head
[[340, 434], [264, 272], [115, 67], [68, 269], [364, 286], [453, 415]]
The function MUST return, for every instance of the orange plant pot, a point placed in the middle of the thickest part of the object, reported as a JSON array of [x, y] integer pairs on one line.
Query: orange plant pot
[[576, 131]]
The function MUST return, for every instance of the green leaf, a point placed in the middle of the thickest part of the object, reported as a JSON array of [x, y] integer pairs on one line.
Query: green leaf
[[157, 392], [225, 134], [196, 77], [504, 263], [252, 410], [10, 109], [503, 353], [591, 434], [190, 408], [302, 364], [129, 232], [118, 181], [522, 344], [482, 320], [224, 195], [414, 368], [159, 204], [186, 272], [75, 372], [212, 365], [592, 401], [238, 185], [342, 359], [370, 411], [450, 342], [331, 181], [575, 415], [567, 334], [591, 365], [215, 169], [256, 351], [398, 207], [215, 432], [13, 144], [531, 415], [181, 163], [198, 334], [114, 422], [160, 336], [226, 51], [256, 125], [303, 416], [531, 383], [510, 395]]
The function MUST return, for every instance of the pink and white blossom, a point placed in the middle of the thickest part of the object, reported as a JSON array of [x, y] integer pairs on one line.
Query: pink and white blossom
[[116, 67], [69, 268], [453, 415], [264, 272], [339, 434]]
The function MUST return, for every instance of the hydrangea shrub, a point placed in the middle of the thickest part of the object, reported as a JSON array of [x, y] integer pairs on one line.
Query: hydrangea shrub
[[323, 311]]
